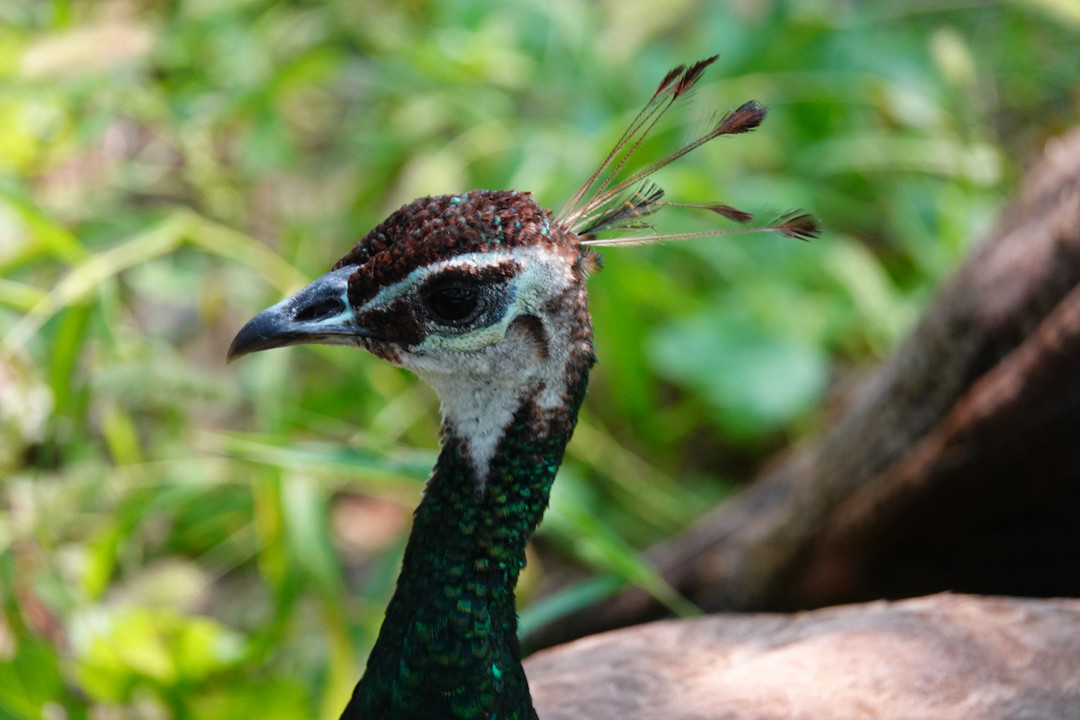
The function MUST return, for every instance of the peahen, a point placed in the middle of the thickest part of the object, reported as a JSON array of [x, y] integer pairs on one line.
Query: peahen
[[483, 296]]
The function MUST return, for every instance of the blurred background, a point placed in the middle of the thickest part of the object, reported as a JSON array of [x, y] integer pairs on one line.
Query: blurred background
[[184, 539]]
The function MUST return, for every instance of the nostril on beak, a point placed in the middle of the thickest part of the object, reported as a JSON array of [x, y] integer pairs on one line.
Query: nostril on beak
[[326, 308]]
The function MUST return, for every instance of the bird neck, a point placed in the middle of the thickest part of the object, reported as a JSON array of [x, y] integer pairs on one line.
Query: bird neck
[[448, 648]]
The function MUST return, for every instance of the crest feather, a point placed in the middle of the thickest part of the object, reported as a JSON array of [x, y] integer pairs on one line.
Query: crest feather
[[606, 203]]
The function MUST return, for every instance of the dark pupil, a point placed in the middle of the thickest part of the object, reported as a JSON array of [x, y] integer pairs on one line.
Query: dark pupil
[[453, 303]]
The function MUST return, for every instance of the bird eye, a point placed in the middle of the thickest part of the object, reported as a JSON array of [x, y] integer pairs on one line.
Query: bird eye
[[453, 303]]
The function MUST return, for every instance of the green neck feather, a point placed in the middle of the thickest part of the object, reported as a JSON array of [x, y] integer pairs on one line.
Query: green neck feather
[[448, 648]]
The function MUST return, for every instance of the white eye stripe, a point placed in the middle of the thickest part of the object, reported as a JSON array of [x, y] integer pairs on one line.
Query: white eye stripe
[[468, 261], [418, 276]]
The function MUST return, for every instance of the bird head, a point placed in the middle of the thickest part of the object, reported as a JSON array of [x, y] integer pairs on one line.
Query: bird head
[[483, 294], [480, 283]]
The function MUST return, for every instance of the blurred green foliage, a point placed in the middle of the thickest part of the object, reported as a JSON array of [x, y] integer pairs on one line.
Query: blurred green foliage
[[183, 539]]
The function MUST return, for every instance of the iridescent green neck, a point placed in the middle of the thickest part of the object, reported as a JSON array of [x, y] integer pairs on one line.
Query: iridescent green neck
[[448, 648]]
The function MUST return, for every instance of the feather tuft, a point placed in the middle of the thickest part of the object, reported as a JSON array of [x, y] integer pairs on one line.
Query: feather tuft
[[605, 202], [693, 74], [798, 225], [627, 214], [672, 75], [732, 213], [743, 119], [795, 224]]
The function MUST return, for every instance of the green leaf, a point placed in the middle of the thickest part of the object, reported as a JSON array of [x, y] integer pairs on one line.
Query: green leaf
[[123, 649], [304, 509], [602, 549], [376, 470], [29, 680], [269, 700], [753, 381]]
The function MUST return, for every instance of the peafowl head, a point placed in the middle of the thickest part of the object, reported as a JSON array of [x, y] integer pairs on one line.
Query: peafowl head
[[482, 294]]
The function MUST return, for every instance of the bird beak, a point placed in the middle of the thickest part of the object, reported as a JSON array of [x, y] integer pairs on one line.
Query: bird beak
[[320, 313]]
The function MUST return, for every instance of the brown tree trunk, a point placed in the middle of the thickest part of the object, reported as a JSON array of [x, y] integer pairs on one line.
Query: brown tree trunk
[[956, 465]]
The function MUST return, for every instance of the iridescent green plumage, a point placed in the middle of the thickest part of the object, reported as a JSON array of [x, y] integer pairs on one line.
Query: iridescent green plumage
[[449, 648]]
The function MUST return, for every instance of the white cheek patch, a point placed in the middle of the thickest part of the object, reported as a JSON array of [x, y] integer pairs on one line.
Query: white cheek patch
[[479, 408], [482, 378]]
